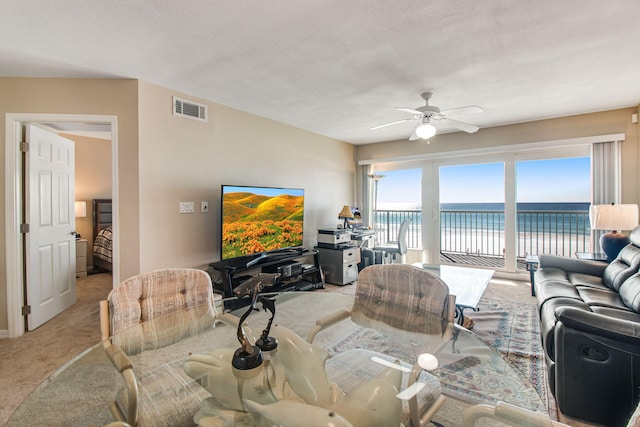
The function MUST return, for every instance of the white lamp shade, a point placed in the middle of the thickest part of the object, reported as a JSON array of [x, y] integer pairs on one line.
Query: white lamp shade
[[425, 130], [80, 209], [613, 217]]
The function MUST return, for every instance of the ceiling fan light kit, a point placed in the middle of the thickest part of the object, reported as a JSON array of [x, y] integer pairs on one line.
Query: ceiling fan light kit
[[425, 130], [429, 115]]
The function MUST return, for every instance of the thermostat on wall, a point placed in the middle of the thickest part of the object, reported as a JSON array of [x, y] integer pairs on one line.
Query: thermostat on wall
[[187, 207]]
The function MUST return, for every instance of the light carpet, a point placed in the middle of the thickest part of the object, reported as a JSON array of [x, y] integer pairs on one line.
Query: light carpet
[[26, 361]]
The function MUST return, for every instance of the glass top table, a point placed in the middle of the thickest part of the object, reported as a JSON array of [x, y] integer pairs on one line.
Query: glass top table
[[469, 370], [466, 283]]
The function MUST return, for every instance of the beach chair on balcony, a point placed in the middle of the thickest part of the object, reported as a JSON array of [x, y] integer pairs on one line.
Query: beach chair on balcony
[[394, 251]]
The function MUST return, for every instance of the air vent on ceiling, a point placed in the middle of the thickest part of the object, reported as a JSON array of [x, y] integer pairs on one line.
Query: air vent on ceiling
[[189, 109]]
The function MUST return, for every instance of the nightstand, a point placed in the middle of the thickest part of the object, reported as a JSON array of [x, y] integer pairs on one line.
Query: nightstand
[[81, 257]]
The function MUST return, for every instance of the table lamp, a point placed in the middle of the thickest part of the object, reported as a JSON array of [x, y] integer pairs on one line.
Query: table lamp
[[80, 209], [345, 214], [613, 218]]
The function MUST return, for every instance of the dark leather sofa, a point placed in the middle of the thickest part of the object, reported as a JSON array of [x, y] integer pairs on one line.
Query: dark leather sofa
[[590, 326]]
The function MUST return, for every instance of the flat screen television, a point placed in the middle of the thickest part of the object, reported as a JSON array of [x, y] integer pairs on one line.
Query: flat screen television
[[259, 220]]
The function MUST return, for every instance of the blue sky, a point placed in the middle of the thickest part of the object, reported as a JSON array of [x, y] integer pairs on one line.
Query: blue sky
[[557, 180]]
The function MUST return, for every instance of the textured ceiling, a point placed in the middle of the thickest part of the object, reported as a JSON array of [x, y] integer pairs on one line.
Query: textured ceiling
[[339, 67]]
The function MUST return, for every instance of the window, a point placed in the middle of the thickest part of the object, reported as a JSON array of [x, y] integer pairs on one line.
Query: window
[[577, 171], [397, 196], [472, 214], [553, 198]]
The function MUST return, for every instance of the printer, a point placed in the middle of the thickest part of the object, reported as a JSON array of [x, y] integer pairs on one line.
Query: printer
[[333, 237]]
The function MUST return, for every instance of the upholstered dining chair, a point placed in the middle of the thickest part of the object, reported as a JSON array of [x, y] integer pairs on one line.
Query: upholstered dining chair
[[404, 297], [395, 250], [183, 298]]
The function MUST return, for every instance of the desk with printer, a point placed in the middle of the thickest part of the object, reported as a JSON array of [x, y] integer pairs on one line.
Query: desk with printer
[[339, 252]]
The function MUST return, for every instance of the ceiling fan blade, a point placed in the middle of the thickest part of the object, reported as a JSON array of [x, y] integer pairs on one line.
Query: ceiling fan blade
[[411, 111], [392, 123], [462, 126], [469, 109]]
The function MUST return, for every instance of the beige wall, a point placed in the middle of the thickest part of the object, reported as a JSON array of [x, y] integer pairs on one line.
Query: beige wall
[[93, 180], [187, 160], [165, 159], [608, 122], [81, 96]]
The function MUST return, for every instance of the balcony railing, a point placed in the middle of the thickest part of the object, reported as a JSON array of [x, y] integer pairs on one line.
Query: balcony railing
[[387, 224], [481, 233]]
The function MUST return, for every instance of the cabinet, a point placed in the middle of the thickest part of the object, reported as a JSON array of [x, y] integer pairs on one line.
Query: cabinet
[[340, 264], [81, 258], [300, 271]]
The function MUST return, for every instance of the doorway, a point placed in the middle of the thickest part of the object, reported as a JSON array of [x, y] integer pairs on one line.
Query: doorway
[[14, 200]]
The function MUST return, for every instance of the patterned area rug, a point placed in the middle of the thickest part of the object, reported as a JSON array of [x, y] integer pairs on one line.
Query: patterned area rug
[[514, 329], [474, 374]]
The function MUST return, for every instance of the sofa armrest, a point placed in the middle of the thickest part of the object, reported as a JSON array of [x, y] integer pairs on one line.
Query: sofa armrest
[[574, 265], [597, 324], [595, 356]]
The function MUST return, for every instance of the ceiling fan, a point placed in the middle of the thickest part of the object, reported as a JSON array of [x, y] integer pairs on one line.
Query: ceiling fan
[[429, 116]]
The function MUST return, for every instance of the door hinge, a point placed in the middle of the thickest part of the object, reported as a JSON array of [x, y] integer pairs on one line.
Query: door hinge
[[24, 228], [26, 310], [24, 147]]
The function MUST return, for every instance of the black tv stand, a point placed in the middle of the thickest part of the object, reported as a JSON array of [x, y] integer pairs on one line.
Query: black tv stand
[[257, 259], [300, 271]]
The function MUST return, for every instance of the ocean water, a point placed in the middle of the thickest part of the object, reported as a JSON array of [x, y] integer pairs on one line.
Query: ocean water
[[548, 206], [548, 215], [479, 227]]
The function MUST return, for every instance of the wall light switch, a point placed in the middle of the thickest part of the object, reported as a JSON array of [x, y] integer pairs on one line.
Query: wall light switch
[[204, 207], [187, 207]]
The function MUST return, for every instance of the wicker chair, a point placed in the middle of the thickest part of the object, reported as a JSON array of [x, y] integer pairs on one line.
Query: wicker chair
[[403, 297], [183, 297]]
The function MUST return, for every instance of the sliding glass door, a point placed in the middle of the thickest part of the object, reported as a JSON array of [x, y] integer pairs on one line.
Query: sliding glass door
[[494, 214], [553, 198], [472, 214], [494, 209], [397, 196]]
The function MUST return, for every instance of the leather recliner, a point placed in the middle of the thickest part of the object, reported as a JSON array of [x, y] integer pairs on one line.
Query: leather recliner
[[590, 329]]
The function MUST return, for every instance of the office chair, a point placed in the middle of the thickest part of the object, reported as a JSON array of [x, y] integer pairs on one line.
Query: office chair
[[394, 250]]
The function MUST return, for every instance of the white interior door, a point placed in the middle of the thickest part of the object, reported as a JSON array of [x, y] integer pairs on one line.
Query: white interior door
[[50, 250]]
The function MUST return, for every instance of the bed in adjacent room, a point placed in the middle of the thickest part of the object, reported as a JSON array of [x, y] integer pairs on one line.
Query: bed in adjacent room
[[102, 235]]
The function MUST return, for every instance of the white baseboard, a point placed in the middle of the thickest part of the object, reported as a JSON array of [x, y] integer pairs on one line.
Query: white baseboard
[[4, 333]]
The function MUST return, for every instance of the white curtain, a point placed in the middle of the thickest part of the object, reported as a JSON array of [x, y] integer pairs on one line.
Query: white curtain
[[605, 179], [365, 209], [605, 161]]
